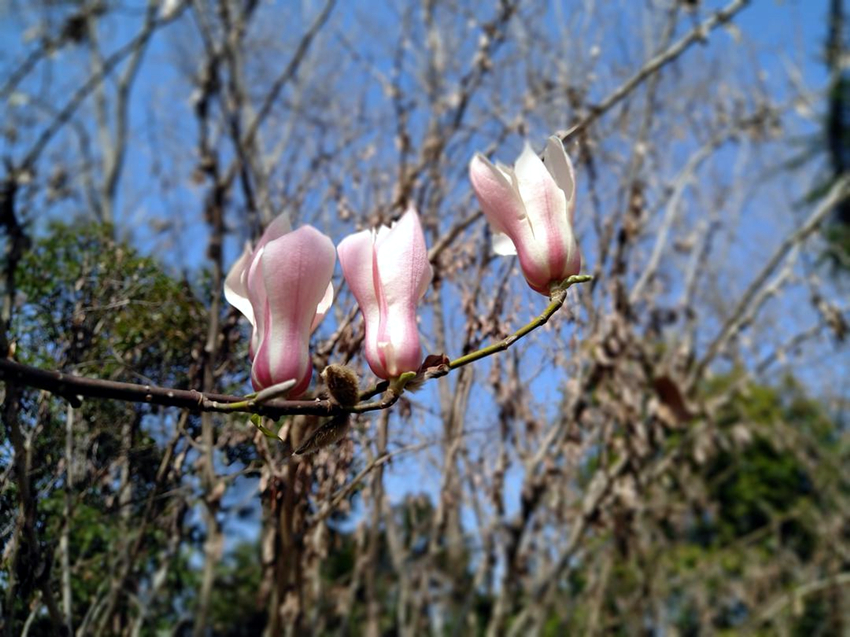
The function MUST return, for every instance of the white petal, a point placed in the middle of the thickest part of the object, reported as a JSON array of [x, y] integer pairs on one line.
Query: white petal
[[502, 245], [381, 233], [323, 307], [559, 166], [235, 289], [529, 168], [507, 171]]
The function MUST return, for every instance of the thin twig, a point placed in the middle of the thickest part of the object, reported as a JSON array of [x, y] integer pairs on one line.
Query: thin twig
[[90, 85], [559, 295], [838, 193], [599, 488], [557, 300], [697, 34], [330, 506]]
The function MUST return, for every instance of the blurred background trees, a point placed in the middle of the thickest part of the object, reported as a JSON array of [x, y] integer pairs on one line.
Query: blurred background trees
[[667, 456]]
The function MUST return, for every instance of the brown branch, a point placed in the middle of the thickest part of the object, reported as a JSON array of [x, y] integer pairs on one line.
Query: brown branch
[[449, 237], [839, 192], [548, 578], [343, 492], [69, 387], [87, 87], [72, 387], [280, 82]]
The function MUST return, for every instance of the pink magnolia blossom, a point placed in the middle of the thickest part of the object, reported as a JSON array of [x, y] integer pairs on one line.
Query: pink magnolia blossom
[[531, 208], [283, 287], [388, 272]]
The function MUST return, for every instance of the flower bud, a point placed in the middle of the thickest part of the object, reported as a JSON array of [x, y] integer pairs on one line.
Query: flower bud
[[531, 208], [388, 272], [283, 287]]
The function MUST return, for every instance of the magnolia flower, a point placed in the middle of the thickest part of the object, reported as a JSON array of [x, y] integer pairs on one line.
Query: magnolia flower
[[283, 287], [531, 208], [388, 272]]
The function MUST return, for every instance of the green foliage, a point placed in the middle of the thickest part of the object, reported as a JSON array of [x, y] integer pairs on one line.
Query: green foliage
[[837, 253], [98, 304], [235, 609], [836, 135], [768, 494], [92, 305]]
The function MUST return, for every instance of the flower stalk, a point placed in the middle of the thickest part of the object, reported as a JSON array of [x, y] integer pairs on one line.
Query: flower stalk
[[556, 300]]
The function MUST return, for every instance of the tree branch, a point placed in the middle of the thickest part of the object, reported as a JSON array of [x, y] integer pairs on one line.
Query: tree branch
[[837, 194], [697, 34], [71, 387]]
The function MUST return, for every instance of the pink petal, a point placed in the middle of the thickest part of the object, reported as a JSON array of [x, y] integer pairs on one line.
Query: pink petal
[[296, 269], [405, 274], [356, 256], [253, 278], [533, 205], [388, 272], [498, 198], [278, 227], [546, 206], [403, 264]]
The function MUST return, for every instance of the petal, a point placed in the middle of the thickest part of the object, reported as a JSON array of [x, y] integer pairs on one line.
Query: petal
[[296, 270], [253, 280], [540, 281], [561, 168], [356, 256], [389, 272], [405, 274], [380, 234], [403, 266], [534, 261], [546, 205], [536, 185], [399, 343], [502, 245], [507, 171], [278, 227], [499, 199], [324, 306], [235, 288]]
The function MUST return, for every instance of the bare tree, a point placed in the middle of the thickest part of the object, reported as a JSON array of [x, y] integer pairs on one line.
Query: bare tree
[[574, 464]]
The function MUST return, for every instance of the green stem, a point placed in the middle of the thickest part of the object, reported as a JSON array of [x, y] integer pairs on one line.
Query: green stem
[[258, 398], [557, 297], [398, 384]]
